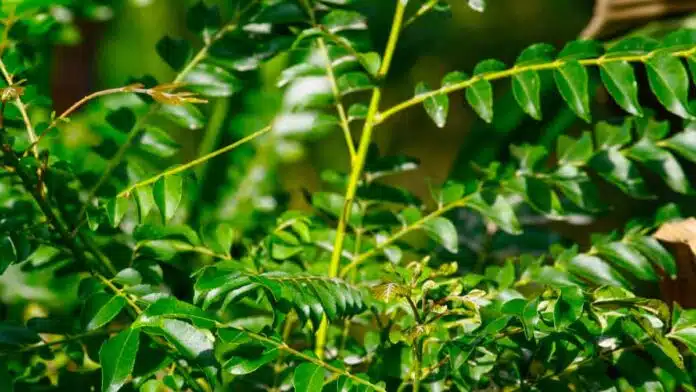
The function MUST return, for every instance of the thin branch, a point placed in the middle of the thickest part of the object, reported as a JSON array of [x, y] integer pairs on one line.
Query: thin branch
[[67, 339], [195, 162], [357, 261], [383, 116], [345, 126], [284, 347]]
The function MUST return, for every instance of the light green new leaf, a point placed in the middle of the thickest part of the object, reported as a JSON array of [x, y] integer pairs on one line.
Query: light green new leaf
[[308, 377], [117, 357], [670, 83], [167, 192], [620, 81], [101, 308], [572, 82], [437, 106], [526, 87], [390, 291], [444, 232]]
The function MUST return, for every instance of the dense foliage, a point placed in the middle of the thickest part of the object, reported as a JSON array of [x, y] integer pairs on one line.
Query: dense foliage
[[175, 277]]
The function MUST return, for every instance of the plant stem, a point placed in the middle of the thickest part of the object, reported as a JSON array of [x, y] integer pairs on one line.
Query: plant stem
[[359, 163], [396, 236], [284, 347], [135, 131], [340, 109], [67, 339], [383, 116], [22, 109], [195, 162]]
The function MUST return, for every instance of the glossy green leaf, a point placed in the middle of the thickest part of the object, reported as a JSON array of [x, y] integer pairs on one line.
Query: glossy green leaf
[[185, 115], [240, 365], [574, 151], [497, 209], [629, 259], [683, 143], [173, 308], [101, 308], [117, 357], [526, 87], [569, 307], [167, 193], [444, 232], [572, 82], [15, 335], [480, 96], [595, 270], [620, 171], [437, 106], [116, 210], [669, 82], [619, 79], [354, 82], [211, 81], [663, 163], [308, 377], [654, 251]]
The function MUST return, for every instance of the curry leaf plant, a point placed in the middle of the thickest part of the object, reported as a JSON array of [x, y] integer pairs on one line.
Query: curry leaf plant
[[126, 264]]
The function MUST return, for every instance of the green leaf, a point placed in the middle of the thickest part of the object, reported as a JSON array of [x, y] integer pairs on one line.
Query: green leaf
[[372, 62], [497, 209], [574, 151], [437, 106], [444, 232], [526, 87], [580, 49], [173, 308], [174, 51], [185, 115], [122, 119], [654, 251], [569, 307], [342, 20], [595, 270], [352, 82], [609, 135], [308, 377], [167, 192], [661, 162], [684, 143], [128, 277], [618, 170], [389, 292], [203, 19], [101, 308], [572, 82], [620, 81], [117, 357], [116, 210], [8, 252], [684, 327], [669, 82], [629, 259], [480, 96], [241, 365], [211, 81]]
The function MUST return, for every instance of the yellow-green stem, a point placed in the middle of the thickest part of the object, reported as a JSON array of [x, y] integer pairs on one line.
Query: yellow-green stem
[[359, 162], [516, 70]]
